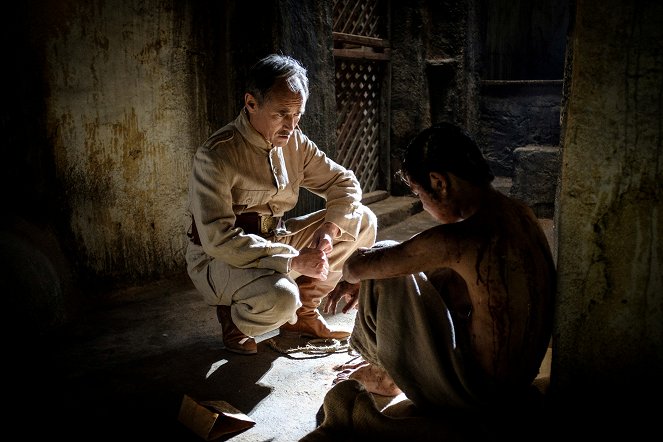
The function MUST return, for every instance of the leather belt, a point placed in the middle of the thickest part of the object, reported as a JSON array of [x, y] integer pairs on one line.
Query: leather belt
[[250, 222]]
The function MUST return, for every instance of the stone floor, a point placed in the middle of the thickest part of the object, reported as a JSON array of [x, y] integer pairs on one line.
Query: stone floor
[[121, 373]]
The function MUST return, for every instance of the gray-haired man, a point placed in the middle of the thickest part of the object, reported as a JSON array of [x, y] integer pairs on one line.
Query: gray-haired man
[[260, 271]]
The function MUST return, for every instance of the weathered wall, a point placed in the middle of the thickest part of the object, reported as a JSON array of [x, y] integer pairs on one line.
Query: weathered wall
[[523, 39], [410, 110], [517, 114], [522, 58], [124, 107], [433, 62], [608, 340], [107, 103]]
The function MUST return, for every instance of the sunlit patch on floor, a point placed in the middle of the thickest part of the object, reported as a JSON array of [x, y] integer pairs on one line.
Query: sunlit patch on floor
[[215, 367]]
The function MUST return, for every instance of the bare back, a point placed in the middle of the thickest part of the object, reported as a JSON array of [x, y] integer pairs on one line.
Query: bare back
[[497, 276]]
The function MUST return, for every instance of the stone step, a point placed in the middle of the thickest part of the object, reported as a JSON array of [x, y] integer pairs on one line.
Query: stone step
[[503, 184], [392, 210]]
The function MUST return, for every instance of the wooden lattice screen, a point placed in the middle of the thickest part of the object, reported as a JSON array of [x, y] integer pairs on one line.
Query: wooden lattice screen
[[357, 120], [361, 51], [359, 17]]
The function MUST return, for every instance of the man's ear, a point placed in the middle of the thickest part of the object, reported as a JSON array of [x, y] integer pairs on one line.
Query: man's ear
[[250, 102], [438, 182]]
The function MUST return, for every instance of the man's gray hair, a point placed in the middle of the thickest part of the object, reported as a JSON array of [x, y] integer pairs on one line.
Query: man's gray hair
[[269, 70]]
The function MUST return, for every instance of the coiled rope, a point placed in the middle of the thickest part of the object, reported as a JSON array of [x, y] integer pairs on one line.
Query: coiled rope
[[314, 347]]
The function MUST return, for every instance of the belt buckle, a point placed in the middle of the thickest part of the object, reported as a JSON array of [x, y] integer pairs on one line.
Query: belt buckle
[[267, 224]]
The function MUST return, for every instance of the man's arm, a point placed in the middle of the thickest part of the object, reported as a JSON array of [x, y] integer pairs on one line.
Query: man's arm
[[333, 182], [211, 207], [425, 251]]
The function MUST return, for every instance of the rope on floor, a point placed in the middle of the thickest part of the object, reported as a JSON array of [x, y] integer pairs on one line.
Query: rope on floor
[[313, 347]]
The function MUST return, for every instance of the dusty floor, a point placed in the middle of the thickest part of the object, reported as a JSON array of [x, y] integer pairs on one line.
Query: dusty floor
[[121, 373]]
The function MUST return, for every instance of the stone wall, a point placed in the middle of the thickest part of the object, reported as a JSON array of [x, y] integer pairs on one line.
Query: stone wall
[[107, 104], [608, 339], [515, 114], [433, 68]]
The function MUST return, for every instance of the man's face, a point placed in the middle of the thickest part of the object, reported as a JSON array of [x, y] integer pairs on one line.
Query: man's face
[[428, 201], [278, 115], [436, 201]]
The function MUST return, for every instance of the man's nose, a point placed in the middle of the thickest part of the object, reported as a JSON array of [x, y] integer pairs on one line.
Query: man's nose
[[290, 123]]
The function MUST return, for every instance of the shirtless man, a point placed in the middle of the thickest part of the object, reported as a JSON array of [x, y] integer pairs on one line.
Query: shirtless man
[[460, 315]]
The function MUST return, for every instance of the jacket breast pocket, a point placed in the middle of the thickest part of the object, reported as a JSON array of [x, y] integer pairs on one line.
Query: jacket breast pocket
[[250, 198]]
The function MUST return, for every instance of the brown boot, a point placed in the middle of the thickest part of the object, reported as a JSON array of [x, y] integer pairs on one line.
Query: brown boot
[[310, 322], [233, 339]]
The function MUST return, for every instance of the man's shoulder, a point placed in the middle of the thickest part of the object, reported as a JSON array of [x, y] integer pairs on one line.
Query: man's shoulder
[[301, 138], [221, 137]]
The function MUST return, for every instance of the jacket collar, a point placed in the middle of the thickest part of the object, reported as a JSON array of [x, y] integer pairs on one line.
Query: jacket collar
[[245, 128]]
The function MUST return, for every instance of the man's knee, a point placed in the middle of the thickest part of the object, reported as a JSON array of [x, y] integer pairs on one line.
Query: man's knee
[[369, 219], [368, 227], [385, 243], [266, 304], [286, 296]]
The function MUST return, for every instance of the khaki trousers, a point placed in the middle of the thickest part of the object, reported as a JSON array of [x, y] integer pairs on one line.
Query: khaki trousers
[[262, 300]]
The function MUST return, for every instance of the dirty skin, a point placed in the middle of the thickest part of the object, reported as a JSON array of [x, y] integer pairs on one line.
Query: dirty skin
[[374, 378]]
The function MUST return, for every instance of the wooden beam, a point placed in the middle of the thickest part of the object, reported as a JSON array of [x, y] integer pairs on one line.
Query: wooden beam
[[360, 40], [362, 54]]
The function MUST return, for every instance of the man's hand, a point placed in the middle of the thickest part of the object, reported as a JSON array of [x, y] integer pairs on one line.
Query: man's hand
[[311, 262], [346, 291], [323, 238]]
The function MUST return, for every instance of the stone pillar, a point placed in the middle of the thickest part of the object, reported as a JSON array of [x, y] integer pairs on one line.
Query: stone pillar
[[607, 363]]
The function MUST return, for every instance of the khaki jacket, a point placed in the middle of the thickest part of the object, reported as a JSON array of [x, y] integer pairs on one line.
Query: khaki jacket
[[237, 170]]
